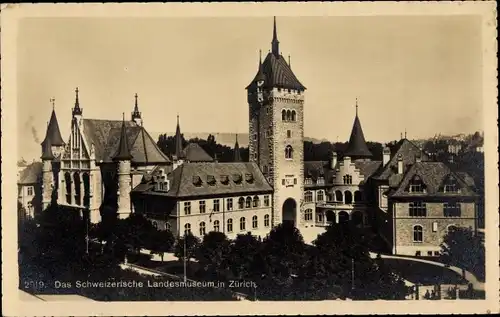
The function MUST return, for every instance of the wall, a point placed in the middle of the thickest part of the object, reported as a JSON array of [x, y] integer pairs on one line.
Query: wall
[[403, 226]]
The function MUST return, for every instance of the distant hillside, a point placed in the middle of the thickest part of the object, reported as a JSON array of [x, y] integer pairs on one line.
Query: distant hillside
[[224, 138]]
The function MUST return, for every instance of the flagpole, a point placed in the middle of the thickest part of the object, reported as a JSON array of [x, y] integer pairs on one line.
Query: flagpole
[[185, 252]]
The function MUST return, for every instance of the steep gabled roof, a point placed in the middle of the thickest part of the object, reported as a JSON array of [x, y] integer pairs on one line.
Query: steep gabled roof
[[277, 74], [105, 135], [432, 175], [409, 152], [367, 167], [193, 152], [230, 178], [53, 134], [31, 174]]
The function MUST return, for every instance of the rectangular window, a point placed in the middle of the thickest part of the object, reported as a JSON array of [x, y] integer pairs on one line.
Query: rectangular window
[[283, 181], [288, 133], [320, 196], [434, 227], [418, 253], [452, 209], [202, 207], [187, 208], [418, 209], [229, 204], [295, 181], [436, 253], [429, 253], [255, 137], [266, 201], [30, 190], [216, 205]]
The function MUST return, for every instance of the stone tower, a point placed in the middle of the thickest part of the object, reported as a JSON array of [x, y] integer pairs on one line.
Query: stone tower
[[123, 159], [47, 175], [136, 114], [276, 136]]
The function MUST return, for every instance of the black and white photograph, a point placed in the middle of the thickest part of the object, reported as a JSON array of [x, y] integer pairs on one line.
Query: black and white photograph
[[345, 155]]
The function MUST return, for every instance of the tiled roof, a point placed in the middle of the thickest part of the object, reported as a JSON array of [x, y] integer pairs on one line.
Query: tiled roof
[[408, 151], [22, 163], [192, 179], [277, 74], [367, 167], [53, 134], [31, 174], [193, 152], [315, 169], [432, 175], [105, 135], [357, 147]]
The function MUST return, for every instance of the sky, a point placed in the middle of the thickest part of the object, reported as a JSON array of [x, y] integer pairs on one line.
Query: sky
[[421, 74]]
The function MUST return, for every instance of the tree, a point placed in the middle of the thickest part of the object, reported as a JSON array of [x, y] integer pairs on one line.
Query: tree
[[192, 243], [160, 242], [212, 254], [134, 231], [462, 248], [245, 256]]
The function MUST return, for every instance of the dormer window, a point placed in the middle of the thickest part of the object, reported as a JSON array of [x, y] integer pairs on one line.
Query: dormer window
[[224, 179], [450, 185], [308, 181], [161, 181], [197, 181], [211, 180], [249, 177], [416, 185], [237, 178], [321, 180]]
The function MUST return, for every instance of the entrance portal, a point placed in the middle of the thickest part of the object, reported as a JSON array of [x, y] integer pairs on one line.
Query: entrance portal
[[289, 213]]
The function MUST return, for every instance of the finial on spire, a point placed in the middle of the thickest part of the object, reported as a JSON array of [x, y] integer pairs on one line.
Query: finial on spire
[[356, 106], [405, 133], [53, 102], [275, 43], [401, 135], [260, 57], [289, 61], [77, 111], [123, 116], [136, 96], [77, 102]]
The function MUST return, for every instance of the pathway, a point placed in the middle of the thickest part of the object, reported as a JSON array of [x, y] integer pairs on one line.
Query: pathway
[[471, 278]]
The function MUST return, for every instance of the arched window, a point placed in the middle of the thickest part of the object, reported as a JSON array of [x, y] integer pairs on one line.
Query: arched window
[[67, 179], [248, 202], [230, 225], [266, 221], [418, 233], [216, 226], [339, 196], [294, 115], [451, 228], [288, 152], [288, 115], [168, 227], [241, 203], [330, 216], [255, 222], [343, 217], [78, 191], [187, 228], [319, 217], [86, 189], [357, 196], [347, 180], [256, 201], [348, 197], [242, 223], [320, 196], [308, 196], [308, 215], [283, 115], [202, 228]]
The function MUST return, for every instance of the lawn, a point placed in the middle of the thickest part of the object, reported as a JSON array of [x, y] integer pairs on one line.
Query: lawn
[[423, 273]]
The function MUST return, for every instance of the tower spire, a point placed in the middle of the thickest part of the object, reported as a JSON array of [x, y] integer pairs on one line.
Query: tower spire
[[237, 155], [123, 151], [357, 147], [77, 111], [289, 61], [136, 115], [178, 140], [356, 106], [275, 44]]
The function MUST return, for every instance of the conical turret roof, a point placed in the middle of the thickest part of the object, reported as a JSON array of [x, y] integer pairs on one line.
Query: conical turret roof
[[357, 147], [47, 151], [237, 155], [53, 135], [123, 152]]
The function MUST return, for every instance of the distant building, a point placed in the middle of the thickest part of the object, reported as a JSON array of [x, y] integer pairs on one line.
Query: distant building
[[29, 188]]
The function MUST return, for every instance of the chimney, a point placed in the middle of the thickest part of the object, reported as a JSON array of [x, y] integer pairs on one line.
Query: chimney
[[216, 160], [333, 161], [386, 155], [400, 164]]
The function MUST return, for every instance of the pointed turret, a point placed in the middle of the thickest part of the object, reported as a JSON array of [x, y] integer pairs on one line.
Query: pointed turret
[[47, 154], [136, 114], [123, 151], [77, 111], [357, 147], [260, 74], [53, 134], [178, 140], [237, 155], [275, 44]]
